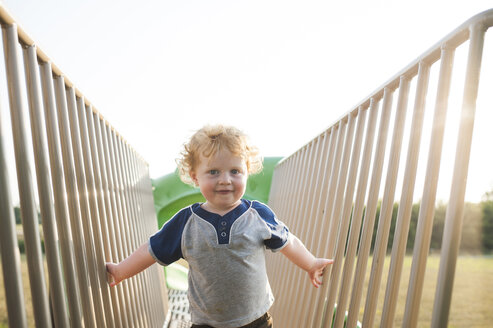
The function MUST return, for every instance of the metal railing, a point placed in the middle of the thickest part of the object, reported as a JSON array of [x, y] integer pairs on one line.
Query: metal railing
[[94, 195], [328, 195]]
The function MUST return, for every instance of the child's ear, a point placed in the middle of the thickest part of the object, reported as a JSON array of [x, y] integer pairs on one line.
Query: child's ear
[[193, 176]]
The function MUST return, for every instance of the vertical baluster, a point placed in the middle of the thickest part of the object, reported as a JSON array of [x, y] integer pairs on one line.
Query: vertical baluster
[[387, 206], [345, 215], [318, 314], [314, 220], [455, 208], [371, 209], [302, 217], [29, 213], [427, 208], [76, 195], [290, 220], [124, 222], [336, 208], [134, 228], [75, 279], [316, 240], [44, 188], [117, 219], [406, 200], [9, 248], [354, 232], [104, 191], [88, 199]]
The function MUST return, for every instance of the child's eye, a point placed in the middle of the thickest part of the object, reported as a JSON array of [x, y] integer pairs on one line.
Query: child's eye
[[213, 172], [235, 171]]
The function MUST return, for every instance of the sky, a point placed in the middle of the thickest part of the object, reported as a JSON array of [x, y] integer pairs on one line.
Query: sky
[[282, 71]]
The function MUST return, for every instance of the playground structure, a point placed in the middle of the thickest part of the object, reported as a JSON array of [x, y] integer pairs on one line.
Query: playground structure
[[96, 203]]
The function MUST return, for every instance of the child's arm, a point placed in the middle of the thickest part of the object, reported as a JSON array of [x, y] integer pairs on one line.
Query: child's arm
[[138, 261], [297, 253]]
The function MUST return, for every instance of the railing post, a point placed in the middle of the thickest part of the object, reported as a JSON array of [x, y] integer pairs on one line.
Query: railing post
[[345, 216], [371, 209], [104, 192], [427, 208], [387, 205], [45, 189], [357, 215], [335, 165], [455, 208], [28, 207], [74, 284], [81, 229], [406, 200], [11, 258]]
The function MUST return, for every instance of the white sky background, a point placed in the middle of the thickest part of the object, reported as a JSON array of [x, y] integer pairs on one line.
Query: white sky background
[[282, 71]]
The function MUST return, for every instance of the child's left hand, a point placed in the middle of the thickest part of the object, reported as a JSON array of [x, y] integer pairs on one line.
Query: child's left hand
[[317, 271]]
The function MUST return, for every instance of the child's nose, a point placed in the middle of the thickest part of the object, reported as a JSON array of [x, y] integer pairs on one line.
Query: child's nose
[[225, 178]]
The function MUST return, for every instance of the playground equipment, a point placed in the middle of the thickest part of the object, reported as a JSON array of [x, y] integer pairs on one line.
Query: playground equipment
[[96, 202]]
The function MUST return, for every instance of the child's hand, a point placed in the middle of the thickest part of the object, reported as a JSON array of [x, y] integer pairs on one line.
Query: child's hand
[[113, 276], [317, 271]]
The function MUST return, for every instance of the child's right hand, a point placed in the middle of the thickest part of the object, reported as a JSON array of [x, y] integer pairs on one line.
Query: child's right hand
[[112, 270]]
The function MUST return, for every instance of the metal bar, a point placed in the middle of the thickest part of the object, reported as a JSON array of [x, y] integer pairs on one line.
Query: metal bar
[[406, 200], [387, 206], [329, 244], [85, 284], [371, 208], [111, 254], [56, 285], [309, 239], [27, 203], [76, 293], [306, 221], [318, 314], [123, 215], [294, 225], [133, 228], [289, 219], [345, 215], [91, 150], [357, 216], [328, 156], [11, 259], [279, 192], [455, 208], [146, 300], [427, 208], [116, 214], [88, 199]]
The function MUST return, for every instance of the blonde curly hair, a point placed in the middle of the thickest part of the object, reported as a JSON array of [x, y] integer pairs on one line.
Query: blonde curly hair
[[208, 141]]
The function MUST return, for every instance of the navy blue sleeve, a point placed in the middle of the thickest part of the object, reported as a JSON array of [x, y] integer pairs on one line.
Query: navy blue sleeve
[[165, 245], [279, 231]]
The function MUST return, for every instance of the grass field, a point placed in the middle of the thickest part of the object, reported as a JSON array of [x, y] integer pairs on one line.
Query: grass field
[[472, 301]]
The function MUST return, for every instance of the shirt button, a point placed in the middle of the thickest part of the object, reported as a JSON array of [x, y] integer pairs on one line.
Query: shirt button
[[223, 234], [224, 223]]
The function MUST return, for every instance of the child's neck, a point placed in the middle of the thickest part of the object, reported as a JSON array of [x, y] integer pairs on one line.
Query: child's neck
[[220, 211]]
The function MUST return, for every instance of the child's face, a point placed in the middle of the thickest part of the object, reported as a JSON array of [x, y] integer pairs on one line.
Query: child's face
[[222, 181]]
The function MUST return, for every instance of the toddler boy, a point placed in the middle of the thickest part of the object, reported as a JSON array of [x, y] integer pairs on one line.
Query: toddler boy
[[224, 239]]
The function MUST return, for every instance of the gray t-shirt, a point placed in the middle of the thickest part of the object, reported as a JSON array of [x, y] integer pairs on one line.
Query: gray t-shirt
[[228, 284]]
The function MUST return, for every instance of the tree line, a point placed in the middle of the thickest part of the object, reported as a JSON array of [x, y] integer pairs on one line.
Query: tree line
[[477, 228]]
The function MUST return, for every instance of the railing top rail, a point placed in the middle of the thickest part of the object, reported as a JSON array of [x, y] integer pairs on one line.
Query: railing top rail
[[7, 18], [452, 40]]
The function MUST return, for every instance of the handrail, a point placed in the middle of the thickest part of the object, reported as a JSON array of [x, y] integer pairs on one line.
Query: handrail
[[94, 197], [347, 194]]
